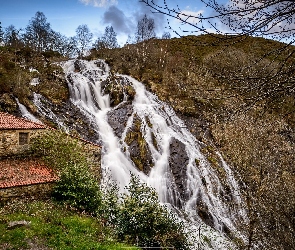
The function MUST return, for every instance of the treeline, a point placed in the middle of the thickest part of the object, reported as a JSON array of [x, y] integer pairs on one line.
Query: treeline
[[40, 37]]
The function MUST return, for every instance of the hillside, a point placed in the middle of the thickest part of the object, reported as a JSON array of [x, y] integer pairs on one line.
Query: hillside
[[253, 130], [221, 88]]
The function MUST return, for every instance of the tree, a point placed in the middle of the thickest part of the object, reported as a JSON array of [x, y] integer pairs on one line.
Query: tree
[[145, 29], [38, 33], [1, 34], [142, 220], [243, 17], [83, 37], [108, 40], [12, 37], [166, 35]]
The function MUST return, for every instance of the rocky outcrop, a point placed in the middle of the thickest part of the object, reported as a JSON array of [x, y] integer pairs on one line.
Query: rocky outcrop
[[138, 149], [119, 89], [178, 161], [118, 117]]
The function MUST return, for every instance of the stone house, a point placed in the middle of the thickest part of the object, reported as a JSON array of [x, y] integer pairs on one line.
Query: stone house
[[21, 177], [16, 133]]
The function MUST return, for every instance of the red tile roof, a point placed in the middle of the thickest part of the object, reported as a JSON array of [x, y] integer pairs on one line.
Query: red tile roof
[[8, 121], [24, 172]]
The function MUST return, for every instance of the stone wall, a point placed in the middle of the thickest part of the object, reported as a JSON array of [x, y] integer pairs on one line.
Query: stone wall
[[41, 190], [9, 141]]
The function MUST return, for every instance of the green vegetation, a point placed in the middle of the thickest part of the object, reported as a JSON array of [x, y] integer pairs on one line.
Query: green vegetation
[[142, 219], [15, 78], [136, 217], [53, 226]]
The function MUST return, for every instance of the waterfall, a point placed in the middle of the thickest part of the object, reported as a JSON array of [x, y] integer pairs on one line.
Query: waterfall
[[25, 113], [201, 192]]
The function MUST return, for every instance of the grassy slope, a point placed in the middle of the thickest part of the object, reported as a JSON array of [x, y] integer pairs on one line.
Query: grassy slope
[[53, 226], [257, 138]]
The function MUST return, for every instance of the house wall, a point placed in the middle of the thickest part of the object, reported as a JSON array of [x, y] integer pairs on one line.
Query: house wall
[[34, 191], [9, 141]]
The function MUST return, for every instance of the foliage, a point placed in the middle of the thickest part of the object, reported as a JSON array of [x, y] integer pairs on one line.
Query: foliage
[[144, 221], [78, 187], [59, 150], [53, 226]]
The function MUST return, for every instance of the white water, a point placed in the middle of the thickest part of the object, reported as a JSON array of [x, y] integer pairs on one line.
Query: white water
[[85, 87], [42, 105], [25, 113]]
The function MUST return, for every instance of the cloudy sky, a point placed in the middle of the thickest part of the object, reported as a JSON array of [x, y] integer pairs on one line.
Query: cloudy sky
[[66, 15]]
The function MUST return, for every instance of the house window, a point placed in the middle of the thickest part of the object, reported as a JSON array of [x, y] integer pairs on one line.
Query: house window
[[23, 138]]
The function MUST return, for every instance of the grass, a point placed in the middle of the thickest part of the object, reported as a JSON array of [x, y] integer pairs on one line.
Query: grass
[[53, 226]]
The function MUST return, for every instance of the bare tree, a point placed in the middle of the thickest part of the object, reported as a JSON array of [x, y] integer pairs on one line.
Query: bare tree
[[12, 37], [145, 29], [108, 40], [1, 34], [83, 37], [38, 33], [273, 18], [166, 35]]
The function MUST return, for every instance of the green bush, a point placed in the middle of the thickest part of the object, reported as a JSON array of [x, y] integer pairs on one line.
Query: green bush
[[78, 187], [144, 221], [59, 150]]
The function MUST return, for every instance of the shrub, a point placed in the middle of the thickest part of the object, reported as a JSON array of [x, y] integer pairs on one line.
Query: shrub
[[78, 187], [59, 150], [144, 221]]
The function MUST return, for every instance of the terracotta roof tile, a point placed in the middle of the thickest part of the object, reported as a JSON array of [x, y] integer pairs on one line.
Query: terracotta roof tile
[[8, 121], [24, 172]]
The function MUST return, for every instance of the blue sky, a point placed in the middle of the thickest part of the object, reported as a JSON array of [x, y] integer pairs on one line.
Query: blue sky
[[66, 15]]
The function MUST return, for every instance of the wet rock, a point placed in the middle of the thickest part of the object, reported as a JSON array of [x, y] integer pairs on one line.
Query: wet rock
[[178, 161], [117, 118], [197, 126], [119, 89], [78, 66], [203, 212], [138, 148]]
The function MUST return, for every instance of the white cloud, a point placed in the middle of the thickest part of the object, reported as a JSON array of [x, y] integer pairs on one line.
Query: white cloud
[[99, 3]]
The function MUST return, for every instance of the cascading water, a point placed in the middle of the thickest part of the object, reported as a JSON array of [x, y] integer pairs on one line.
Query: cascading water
[[201, 193], [25, 113]]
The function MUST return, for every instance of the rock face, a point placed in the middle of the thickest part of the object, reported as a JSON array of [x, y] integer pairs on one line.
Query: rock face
[[138, 149], [178, 164], [119, 89], [118, 117]]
